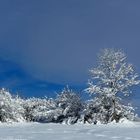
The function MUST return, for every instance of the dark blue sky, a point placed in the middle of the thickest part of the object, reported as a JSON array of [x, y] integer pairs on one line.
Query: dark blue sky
[[45, 44]]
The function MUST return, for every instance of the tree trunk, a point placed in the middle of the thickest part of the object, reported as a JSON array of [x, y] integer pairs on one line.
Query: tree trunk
[[114, 111]]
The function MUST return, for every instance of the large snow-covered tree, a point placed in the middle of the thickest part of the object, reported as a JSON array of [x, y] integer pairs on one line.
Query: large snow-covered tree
[[110, 80]]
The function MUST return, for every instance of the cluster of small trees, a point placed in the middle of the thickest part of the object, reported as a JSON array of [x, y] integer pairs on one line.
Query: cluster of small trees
[[110, 80], [65, 108]]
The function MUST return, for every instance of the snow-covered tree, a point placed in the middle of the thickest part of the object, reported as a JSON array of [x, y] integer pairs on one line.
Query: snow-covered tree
[[10, 108], [71, 105], [46, 110], [39, 110], [110, 80]]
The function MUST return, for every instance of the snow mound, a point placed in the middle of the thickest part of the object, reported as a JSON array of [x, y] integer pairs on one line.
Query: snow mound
[[124, 123]]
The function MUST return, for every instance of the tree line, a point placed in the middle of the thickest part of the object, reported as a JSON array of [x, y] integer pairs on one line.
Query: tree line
[[111, 79]]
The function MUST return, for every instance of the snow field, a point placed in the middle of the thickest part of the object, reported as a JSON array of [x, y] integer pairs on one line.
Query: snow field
[[36, 131]]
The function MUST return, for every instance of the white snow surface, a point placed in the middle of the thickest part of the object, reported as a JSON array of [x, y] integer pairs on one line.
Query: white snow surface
[[36, 131]]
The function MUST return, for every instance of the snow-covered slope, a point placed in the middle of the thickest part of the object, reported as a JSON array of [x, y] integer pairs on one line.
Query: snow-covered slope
[[35, 131]]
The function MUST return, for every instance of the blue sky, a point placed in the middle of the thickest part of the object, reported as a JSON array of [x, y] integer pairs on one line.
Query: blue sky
[[46, 44]]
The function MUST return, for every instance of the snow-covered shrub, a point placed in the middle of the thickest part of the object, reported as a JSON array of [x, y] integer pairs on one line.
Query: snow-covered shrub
[[40, 110], [111, 79], [90, 112], [29, 106], [10, 108], [70, 104], [98, 110], [46, 111]]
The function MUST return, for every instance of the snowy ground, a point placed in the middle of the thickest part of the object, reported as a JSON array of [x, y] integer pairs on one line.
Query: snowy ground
[[35, 131]]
